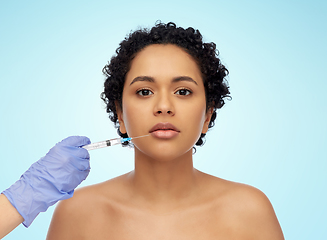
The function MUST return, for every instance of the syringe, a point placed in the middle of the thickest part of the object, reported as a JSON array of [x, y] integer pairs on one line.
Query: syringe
[[108, 143]]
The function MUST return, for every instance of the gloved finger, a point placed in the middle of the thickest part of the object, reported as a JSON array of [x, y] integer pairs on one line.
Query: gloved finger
[[67, 157], [81, 164], [76, 141], [78, 152], [70, 182]]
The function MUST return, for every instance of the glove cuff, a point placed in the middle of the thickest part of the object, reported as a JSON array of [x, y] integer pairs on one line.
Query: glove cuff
[[15, 195], [29, 201]]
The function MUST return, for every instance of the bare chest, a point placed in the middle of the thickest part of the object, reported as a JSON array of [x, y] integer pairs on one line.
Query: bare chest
[[191, 224]]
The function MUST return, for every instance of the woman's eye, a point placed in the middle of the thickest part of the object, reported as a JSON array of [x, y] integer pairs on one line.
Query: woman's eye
[[183, 92], [144, 92]]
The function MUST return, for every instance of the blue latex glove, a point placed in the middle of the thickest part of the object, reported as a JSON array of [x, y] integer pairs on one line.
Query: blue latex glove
[[54, 177]]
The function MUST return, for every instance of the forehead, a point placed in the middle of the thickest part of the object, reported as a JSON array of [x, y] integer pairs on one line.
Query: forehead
[[163, 60]]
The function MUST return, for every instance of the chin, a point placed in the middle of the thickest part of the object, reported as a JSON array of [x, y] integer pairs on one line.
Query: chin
[[164, 154]]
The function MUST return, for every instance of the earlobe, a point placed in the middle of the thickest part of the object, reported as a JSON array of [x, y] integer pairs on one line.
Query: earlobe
[[122, 128], [207, 120]]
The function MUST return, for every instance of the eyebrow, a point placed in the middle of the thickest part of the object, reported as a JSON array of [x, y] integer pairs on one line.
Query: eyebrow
[[184, 78], [151, 79], [142, 79]]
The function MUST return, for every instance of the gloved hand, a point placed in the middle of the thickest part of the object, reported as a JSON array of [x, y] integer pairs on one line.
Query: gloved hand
[[54, 177]]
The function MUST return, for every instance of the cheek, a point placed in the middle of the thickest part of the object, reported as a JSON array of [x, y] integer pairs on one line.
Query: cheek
[[134, 116], [128, 114], [194, 119]]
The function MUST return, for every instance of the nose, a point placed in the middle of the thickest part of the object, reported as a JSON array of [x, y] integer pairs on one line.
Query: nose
[[164, 105]]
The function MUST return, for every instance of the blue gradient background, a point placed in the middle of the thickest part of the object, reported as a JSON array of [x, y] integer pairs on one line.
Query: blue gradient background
[[272, 135]]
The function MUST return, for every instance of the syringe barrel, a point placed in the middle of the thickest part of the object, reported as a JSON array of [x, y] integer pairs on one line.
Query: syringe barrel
[[108, 143], [96, 145], [114, 141], [102, 144]]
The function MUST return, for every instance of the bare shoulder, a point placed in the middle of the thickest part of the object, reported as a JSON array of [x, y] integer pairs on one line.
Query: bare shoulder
[[245, 208], [84, 213]]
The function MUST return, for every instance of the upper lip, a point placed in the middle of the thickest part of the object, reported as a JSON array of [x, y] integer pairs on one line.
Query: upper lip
[[163, 126]]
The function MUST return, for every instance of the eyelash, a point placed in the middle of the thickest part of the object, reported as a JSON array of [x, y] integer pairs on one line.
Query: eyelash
[[143, 90], [184, 89]]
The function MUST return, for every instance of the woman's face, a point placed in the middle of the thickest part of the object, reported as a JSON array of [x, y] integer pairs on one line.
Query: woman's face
[[164, 96]]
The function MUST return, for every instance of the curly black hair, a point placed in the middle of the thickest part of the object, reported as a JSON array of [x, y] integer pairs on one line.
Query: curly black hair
[[190, 40]]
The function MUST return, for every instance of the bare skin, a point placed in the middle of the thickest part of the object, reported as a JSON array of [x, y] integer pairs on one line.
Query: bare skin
[[165, 197], [221, 210], [9, 217]]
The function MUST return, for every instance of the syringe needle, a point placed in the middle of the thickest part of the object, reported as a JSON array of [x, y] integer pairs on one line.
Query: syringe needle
[[141, 136], [130, 138]]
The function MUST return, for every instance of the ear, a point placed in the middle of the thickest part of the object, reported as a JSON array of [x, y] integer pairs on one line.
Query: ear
[[120, 119], [207, 120]]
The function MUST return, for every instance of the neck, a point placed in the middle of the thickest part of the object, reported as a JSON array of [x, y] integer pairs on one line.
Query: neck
[[164, 180]]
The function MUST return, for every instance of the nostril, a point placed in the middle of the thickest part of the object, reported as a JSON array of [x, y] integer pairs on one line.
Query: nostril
[[159, 112]]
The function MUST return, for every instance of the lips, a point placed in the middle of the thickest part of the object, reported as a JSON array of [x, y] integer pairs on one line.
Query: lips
[[164, 130]]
